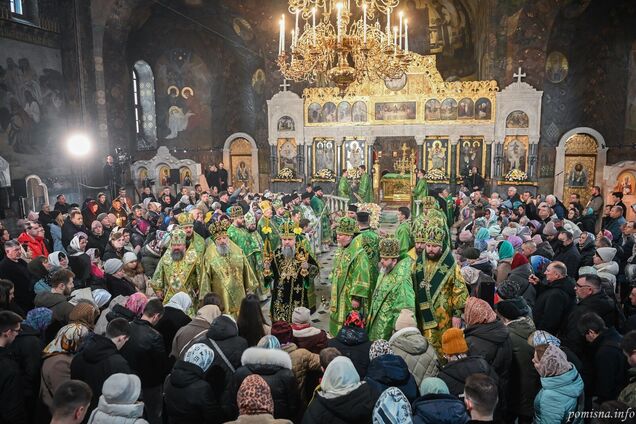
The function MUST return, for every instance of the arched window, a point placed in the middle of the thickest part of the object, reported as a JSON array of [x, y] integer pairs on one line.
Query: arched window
[[16, 6], [144, 106]]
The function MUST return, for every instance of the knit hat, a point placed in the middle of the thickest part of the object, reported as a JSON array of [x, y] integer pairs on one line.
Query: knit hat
[[392, 407], [121, 389], [515, 241], [478, 311], [129, 257], [433, 386], [550, 229], [537, 239], [269, 342], [354, 319], [465, 236], [553, 362], [470, 274], [405, 319], [471, 253], [608, 234], [111, 266], [300, 315], [606, 253], [506, 251], [379, 348], [509, 289], [453, 342], [514, 308], [282, 330], [542, 337], [201, 355], [254, 396], [534, 223]]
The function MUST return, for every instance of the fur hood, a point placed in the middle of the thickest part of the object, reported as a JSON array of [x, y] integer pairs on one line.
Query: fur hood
[[258, 356], [608, 267]]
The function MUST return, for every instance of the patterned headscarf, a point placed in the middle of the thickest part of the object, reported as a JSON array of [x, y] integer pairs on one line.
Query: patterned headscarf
[[379, 348], [67, 340], [542, 337], [478, 311], [255, 396], [553, 362], [84, 313], [269, 342], [392, 407], [200, 355], [39, 318], [136, 303]]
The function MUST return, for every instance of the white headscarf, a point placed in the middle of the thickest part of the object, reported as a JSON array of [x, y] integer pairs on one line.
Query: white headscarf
[[54, 259], [74, 246], [340, 378], [180, 301]]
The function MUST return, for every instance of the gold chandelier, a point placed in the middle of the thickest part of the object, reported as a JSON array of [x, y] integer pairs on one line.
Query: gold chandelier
[[353, 48]]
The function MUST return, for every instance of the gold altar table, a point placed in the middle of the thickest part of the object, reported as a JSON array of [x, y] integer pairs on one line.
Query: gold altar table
[[396, 188]]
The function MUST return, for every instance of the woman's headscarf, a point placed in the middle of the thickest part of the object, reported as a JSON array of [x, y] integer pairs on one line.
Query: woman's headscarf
[[539, 264], [67, 340], [478, 311], [101, 297], [200, 355], [481, 239], [340, 378], [83, 313], [269, 342], [379, 348], [180, 301], [255, 397], [74, 247], [136, 303], [517, 260], [392, 407], [39, 319], [515, 241], [37, 268], [433, 386], [590, 240], [54, 259], [506, 251], [470, 274], [209, 313], [553, 362], [92, 252]]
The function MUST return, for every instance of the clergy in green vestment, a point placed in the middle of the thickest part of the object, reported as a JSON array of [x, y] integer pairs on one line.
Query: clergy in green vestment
[[393, 291], [369, 241], [194, 240], [419, 191], [350, 279], [365, 189], [268, 227], [322, 212], [403, 233], [344, 186], [251, 244], [308, 213], [225, 270], [440, 290]]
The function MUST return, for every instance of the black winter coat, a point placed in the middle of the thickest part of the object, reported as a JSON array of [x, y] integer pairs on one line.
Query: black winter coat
[[455, 373], [609, 367], [26, 351], [554, 303], [571, 257], [111, 253], [99, 242], [119, 311], [81, 267], [587, 255], [275, 366], [354, 343], [19, 275], [188, 398], [146, 353], [11, 391], [391, 371], [520, 275], [69, 230], [95, 363], [439, 409], [355, 407], [224, 332], [599, 303], [119, 286], [524, 383], [171, 321]]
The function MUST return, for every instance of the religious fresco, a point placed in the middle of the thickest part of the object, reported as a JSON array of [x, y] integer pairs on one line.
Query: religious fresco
[[287, 154], [259, 81], [626, 183], [396, 84], [344, 112], [359, 112], [286, 123], [164, 175], [449, 110], [398, 111], [483, 109], [437, 154], [471, 153], [32, 107], [432, 110], [323, 154], [183, 96], [517, 119], [580, 166], [313, 113], [354, 153], [556, 67], [466, 109], [142, 176], [243, 29], [328, 113], [515, 151]]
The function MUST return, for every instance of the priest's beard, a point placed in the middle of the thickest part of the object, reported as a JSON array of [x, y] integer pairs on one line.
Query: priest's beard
[[434, 256], [288, 252], [223, 249], [386, 269], [418, 251], [177, 255]]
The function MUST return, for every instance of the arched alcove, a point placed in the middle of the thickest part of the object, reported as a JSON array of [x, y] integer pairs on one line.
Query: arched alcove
[[243, 139]]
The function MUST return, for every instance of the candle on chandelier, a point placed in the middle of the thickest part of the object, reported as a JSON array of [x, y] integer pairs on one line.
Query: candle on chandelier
[[395, 40], [338, 22], [293, 38], [296, 28], [400, 38], [406, 31], [313, 22], [388, 26], [282, 32], [280, 29], [364, 27]]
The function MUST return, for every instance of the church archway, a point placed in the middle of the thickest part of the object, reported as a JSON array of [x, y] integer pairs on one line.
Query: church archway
[[240, 155], [580, 158]]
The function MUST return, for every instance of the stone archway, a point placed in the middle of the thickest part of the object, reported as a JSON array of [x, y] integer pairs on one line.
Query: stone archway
[[241, 147], [584, 146]]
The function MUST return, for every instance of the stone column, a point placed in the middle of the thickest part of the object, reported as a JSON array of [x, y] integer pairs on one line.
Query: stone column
[[339, 158], [272, 159], [453, 140], [419, 140], [532, 160], [498, 160], [308, 154]]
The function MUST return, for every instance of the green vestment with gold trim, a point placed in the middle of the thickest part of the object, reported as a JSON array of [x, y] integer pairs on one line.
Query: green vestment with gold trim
[[365, 191], [251, 244], [404, 235], [172, 276], [419, 192], [319, 207], [369, 241]]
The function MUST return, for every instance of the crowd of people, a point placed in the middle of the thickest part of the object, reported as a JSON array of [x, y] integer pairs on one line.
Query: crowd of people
[[197, 306]]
